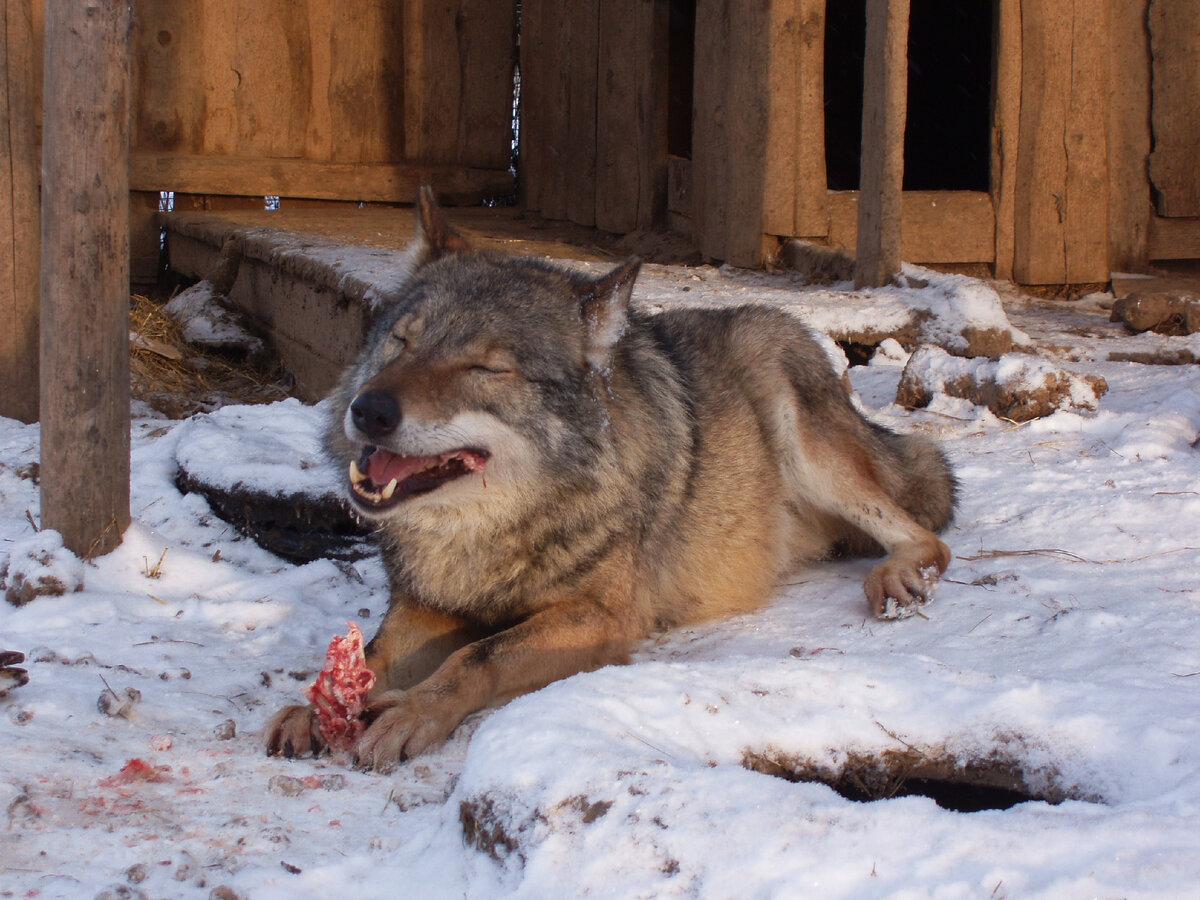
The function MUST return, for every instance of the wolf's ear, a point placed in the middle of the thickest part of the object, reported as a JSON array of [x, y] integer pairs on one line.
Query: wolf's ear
[[435, 237], [604, 305]]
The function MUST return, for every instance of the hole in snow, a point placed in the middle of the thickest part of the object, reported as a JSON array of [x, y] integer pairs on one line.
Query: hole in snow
[[953, 784]]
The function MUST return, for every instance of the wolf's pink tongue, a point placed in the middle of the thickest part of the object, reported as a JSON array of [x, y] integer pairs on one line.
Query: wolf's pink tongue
[[383, 466]]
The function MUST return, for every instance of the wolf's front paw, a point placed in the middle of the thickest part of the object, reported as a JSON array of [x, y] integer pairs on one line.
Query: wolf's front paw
[[905, 581], [294, 732], [404, 725]]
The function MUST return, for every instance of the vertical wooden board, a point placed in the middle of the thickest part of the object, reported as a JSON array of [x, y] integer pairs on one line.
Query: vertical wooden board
[[218, 24], [20, 98], [583, 23], [1061, 204], [325, 38], [748, 114], [794, 193], [545, 83], [1175, 161], [730, 130], [782, 148], [168, 106], [1006, 119], [274, 84], [1086, 141], [530, 149], [1129, 206], [631, 115], [1039, 245], [358, 83], [432, 81], [486, 30], [811, 207], [710, 169], [885, 93]]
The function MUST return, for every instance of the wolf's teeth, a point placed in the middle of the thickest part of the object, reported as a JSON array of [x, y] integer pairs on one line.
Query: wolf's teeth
[[390, 489], [356, 474]]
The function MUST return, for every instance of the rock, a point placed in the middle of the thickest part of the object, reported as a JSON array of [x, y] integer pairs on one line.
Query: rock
[[1015, 387], [11, 675], [1162, 312]]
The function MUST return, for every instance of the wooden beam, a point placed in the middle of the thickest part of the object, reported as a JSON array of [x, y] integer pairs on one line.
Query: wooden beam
[[20, 169], [885, 103], [386, 182], [1174, 238], [85, 274], [935, 226]]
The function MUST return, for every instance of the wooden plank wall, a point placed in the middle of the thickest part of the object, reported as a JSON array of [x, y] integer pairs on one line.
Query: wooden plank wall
[[1175, 161], [1061, 185], [20, 171], [594, 123], [356, 100]]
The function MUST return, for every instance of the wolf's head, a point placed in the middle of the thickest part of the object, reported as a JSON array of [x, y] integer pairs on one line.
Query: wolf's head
[[485, 375]]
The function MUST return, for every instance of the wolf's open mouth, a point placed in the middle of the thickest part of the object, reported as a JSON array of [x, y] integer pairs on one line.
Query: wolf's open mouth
[[380, 478]]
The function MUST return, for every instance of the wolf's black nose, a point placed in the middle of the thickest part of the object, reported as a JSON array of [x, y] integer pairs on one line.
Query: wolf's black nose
[[375, 413]]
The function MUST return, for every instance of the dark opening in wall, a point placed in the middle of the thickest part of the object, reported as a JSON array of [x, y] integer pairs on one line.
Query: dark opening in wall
[[947, 133], [681, 55]]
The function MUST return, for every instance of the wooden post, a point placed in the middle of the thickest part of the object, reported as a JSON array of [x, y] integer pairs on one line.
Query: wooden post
[[85, 274], [19, 171], [885, 103]]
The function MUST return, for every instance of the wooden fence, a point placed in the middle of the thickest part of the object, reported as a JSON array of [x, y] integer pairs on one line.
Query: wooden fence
[[1079, 93]]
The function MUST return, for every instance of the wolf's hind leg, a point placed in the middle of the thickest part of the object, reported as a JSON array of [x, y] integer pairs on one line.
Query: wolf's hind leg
[[840, 476], [916, 556]]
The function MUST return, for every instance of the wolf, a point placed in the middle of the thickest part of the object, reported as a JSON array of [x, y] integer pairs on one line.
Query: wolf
[[555, 474]]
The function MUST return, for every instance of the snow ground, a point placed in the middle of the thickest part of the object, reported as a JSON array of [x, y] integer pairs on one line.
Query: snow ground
[[1064, 639]]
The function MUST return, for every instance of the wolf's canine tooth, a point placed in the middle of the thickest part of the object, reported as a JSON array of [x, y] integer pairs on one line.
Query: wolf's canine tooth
[[356, 474], [390, 489]]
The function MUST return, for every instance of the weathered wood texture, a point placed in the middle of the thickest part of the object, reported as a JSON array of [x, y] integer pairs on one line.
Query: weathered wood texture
[[759, 135], [85, 274], [885, 97], [1061, 201], [20, 164], [935, 226], [594, 123], [1006, 122], [1175, 162], [730, 131], [1129, 204], [352, 100], [794, 190]]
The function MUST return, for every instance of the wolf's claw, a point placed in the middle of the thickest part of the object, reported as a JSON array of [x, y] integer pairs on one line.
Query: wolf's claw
[[294, 732]]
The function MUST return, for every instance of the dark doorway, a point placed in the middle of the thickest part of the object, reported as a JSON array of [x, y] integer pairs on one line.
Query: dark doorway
[[947, 134]]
